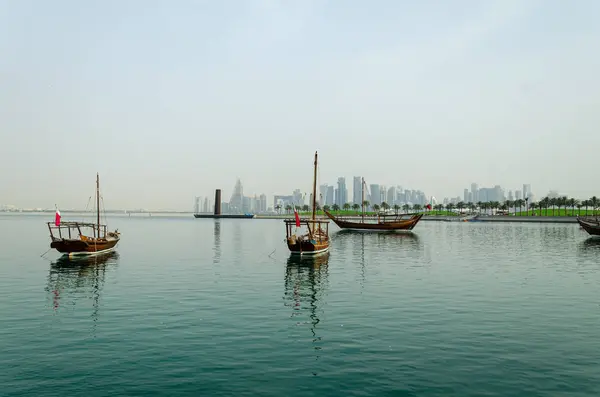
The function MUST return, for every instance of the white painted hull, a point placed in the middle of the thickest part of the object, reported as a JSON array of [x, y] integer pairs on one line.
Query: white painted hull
[[310, 253], [85, 253]]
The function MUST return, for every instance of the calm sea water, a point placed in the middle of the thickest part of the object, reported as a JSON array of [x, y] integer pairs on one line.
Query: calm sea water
[[191, 307]]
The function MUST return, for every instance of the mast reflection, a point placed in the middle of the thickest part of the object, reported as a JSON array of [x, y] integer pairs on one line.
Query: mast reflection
[[81, 278], [305, 283]]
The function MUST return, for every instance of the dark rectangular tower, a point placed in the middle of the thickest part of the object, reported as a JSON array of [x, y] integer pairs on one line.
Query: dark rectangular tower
[[218, 202]]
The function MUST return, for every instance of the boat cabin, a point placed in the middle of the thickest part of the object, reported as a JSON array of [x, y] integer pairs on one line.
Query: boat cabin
[[73, 231], [318, 229]]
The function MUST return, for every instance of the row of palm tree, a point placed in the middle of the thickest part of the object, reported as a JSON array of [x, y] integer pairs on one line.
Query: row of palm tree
[[545, 205]]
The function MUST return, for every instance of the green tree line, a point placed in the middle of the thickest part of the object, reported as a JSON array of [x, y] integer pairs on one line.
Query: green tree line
[[547, 206]]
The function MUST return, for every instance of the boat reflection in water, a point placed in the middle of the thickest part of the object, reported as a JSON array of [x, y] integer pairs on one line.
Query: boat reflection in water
[[78, 280], [367, 248], [590, 244], [358, 238], [305, 284]]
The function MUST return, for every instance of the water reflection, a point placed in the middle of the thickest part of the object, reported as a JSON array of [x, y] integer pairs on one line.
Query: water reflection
[[378, 241], [305, 284], [80, 277], [591, 244], [407, 239], [217, 247]]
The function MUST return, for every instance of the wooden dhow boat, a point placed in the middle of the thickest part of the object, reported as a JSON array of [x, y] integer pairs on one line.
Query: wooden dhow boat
[[82, 238], [383, 222], [590, 225], [315, 239]]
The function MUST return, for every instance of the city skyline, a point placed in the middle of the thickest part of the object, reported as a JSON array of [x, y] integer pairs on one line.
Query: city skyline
[[239, 202]]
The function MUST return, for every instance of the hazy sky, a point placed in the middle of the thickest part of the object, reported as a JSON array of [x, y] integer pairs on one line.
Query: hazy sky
[[172, 99]]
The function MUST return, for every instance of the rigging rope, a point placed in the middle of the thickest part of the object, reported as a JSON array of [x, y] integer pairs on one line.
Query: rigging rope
[[86, 209], [103, 209]]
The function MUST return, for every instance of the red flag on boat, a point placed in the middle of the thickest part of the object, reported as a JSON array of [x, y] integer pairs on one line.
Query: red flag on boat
[[57, 218], [297, 217]]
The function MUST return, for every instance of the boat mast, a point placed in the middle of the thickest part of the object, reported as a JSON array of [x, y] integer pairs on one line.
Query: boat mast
[[362, 202], [98, 201], [314, 195]]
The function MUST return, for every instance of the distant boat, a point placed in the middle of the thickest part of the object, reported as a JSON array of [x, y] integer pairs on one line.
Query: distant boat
[[69, 238], [225, 216], [384, 221], [590, 225], [315, 239]]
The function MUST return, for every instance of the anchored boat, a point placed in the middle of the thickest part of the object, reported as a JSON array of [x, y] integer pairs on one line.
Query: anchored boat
[[387, 222], [315, 238], [590, 225], [82, 238]]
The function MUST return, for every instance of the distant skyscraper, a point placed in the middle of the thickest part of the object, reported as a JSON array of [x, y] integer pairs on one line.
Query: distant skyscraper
[[474, 192], [263, 203], [498, 193], [510, 195], [391, 196], [197, 205], [518, 195], [466, 195], [322, 199], [356, 190], [298, 198], [329, 199], [485, 195], [526, 190], [236, 203], [246, 204], [342, 192], [375, 194]]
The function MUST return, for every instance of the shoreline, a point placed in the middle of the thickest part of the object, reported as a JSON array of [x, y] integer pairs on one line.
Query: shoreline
[[441, 218]]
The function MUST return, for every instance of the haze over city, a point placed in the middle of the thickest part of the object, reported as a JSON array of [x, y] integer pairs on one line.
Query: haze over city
[[168, 101]]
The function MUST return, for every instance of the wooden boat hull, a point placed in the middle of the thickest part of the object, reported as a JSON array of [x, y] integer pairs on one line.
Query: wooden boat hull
[[307, 248], [407, 224], [76, 247], [593, 228]]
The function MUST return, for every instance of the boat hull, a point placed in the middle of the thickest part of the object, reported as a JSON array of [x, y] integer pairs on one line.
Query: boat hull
[[307, 247], [74, 247], [593, 228], [407, 224], [225, 216]]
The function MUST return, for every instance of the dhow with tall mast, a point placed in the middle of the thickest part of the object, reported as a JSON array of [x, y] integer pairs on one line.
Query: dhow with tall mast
[[82, 238], [384, 221], [315, 238]]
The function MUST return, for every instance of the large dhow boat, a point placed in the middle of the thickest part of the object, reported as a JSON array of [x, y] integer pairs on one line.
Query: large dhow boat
[[383, 222], [315, 239], [590, 225], [82, 238]]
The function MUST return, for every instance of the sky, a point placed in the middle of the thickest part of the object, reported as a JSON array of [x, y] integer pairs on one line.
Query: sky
[[171, 100]]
